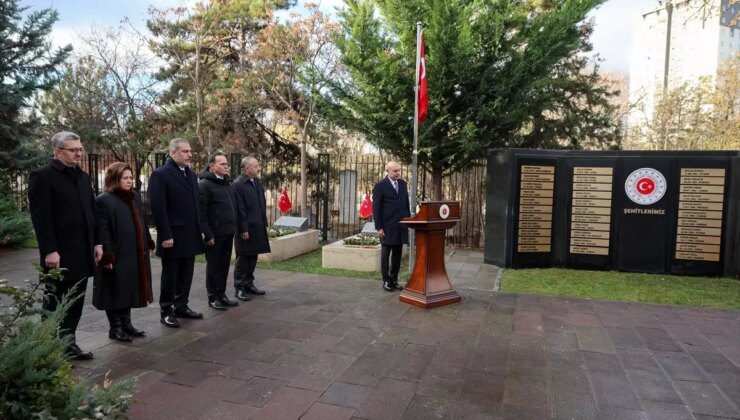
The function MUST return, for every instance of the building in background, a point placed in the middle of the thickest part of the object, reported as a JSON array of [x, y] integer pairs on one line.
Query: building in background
[[678, 43]]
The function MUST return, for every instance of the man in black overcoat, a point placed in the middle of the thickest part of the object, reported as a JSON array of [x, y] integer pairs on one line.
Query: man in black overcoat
[[390, 205], [62, 210], [252, 238], [175, 200], [218, 207]]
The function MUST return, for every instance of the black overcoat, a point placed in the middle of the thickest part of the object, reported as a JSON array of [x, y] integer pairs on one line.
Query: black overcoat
[[252, 217], [61, 201], [389, 208], [217, 205], [175, 205], [119, 288]]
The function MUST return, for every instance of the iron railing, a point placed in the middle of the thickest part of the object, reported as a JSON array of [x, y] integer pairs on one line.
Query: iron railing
[[337, 186]]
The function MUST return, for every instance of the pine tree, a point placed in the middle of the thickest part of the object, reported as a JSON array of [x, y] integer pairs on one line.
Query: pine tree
[[27, 65], [206, 47], [505, 73]]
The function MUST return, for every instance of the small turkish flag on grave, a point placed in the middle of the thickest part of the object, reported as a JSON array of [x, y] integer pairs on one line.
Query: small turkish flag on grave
[[284, 201], [366, 208]]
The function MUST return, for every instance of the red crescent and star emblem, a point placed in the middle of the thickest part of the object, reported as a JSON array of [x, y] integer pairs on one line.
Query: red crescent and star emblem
[[645, 186]]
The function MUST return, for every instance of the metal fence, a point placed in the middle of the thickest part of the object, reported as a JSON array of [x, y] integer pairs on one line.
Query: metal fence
[[337, 185]]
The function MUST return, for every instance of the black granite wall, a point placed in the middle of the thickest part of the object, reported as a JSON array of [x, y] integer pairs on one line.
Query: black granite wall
[[656, 212]]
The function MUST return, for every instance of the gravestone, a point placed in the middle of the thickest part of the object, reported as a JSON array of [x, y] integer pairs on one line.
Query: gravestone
[[348, 197], [300, 224], [369, 229]]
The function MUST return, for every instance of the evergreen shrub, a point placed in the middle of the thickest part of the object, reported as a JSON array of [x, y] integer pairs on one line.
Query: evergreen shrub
[[36, 378]]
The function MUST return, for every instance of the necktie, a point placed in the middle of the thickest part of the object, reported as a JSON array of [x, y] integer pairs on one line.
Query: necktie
[[183, 172], [395, 186]]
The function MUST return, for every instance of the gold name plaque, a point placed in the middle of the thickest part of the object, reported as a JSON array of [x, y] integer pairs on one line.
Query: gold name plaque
[[700, 204], [591, 210], [536, 191]]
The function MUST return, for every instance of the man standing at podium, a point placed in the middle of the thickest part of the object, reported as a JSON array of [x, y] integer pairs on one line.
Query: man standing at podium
[[390, 205]]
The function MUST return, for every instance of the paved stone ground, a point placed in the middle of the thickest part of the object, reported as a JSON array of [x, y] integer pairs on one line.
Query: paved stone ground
[[334, 348]]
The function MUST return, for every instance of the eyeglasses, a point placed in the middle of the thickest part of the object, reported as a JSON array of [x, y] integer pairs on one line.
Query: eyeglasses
[[79, 150]]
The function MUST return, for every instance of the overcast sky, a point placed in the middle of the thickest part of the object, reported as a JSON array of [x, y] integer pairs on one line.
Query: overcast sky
[[612, 37]]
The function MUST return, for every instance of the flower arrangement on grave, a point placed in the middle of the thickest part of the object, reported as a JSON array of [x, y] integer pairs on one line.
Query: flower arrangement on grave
[[362, 239], [273, 233]]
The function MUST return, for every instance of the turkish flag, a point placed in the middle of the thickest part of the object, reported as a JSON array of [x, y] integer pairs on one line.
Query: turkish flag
[[423, 97], [284, 201], [366, 208]]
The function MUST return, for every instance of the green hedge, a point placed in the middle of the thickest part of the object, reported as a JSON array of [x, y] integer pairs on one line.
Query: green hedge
[[36, 378], [15, 226]]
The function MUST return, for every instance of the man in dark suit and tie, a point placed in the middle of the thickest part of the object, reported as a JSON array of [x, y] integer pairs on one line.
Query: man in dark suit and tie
[[252, 238], [174, 197], [390, 205]]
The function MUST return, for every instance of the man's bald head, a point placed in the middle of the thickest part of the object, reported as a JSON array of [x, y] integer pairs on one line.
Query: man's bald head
[[393, 169]]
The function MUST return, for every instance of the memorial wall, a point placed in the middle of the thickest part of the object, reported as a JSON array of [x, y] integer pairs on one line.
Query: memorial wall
[[655, 212]]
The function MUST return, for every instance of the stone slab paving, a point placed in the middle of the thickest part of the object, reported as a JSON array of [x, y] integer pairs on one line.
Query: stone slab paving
[[319, 347]]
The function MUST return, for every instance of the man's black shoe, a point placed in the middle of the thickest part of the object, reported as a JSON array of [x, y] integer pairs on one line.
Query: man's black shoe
[[188, 313], [74, 352], [254, 291], [242, 295], [228, 302], [388, 286], [217, 304], [170, 320], [396, 286]]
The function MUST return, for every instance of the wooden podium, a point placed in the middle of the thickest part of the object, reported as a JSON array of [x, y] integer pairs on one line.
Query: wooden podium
[[429, 285]]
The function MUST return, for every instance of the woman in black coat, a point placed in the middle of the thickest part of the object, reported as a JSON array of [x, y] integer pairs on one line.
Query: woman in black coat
[[124, 276]]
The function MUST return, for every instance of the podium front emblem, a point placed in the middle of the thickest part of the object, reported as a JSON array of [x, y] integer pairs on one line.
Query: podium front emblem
[[444, 211]]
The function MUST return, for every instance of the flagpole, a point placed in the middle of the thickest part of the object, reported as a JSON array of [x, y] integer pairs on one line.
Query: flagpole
[[414, 162]]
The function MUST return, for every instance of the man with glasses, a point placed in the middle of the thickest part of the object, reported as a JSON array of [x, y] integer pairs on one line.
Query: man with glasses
[[62, 201]]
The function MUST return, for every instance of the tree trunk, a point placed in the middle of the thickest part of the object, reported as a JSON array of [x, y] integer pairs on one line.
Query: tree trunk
[[137, 174], [198, 96], [437, 184], [304, 180], [237, 117], [304, 169]]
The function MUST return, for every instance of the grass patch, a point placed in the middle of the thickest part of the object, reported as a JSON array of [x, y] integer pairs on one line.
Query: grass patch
[[311, 263], [720, 293], [30, 242]]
